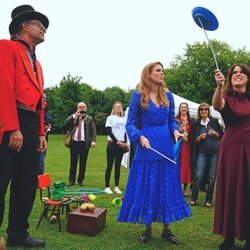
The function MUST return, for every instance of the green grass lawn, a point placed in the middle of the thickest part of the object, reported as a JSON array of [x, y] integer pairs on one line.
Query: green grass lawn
[[192, 233]]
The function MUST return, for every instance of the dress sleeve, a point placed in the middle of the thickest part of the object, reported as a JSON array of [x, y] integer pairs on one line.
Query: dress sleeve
[[172, 122], [134, 111]]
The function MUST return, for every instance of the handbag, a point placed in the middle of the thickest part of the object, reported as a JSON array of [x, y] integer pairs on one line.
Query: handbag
[[67, 140], [126, 149], [124, 146], [69, 137]]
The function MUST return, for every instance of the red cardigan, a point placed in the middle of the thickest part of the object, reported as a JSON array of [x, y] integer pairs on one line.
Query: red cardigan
[[18, 83]]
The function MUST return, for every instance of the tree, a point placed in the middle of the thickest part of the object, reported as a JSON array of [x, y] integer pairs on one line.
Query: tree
[[114, 94], [192, 75], [100, 119], [64, 99], [97, 102]]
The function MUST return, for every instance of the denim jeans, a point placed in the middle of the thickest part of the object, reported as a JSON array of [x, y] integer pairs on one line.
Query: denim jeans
[[41, 160], [206, 163]]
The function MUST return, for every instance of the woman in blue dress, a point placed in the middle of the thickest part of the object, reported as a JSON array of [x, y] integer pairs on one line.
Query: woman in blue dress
[[153, 192]]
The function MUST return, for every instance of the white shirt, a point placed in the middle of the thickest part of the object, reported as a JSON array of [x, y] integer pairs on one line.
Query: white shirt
[[75, 138], [117, 124], [204, 123]]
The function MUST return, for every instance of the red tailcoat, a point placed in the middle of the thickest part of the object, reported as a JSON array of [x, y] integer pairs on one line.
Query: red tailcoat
[[18, 83]]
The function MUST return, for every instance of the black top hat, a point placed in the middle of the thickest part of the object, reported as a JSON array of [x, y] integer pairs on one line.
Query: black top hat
[[23, 13]]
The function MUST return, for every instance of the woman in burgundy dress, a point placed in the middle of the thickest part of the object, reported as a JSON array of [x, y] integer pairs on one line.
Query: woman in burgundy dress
[[232, 210], [186, 123]]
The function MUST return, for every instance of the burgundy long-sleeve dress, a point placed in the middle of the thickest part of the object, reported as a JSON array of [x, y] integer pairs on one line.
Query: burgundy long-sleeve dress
[[232, 210]]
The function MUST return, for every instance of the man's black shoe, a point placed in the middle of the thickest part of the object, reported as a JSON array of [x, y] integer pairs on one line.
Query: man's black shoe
[[81, 183], [71, 183], [29, 242]]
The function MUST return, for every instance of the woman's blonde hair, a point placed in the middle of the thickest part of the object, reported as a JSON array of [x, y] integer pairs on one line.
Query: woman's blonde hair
[[145, 87], [113, 108]]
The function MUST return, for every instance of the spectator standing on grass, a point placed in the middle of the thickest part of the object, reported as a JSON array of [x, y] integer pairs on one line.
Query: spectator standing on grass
[[207, 133], [84, 138], [117, 141], [185, 123]]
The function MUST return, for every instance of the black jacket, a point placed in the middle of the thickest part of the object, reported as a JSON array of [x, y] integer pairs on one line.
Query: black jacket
[[196, 130]]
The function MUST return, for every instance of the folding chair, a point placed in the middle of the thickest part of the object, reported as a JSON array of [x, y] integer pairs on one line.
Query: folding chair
[[44, 184]]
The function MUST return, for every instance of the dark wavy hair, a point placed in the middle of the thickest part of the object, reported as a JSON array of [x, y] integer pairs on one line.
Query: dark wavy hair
[[229, 87], [179, 110]]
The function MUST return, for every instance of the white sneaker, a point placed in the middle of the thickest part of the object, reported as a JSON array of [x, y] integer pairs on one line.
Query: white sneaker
[[107, 190], [117, 190]]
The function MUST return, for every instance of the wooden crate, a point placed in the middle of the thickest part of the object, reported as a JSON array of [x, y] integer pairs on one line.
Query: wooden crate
[[87, 222]]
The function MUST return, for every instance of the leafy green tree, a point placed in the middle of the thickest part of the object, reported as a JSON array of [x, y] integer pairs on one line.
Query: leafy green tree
[[114, 94], [192, 75], [100, 119], [97, 102], [64, 100]]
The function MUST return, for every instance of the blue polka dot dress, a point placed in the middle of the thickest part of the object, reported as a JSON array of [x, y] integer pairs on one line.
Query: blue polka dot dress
[[153, 192]]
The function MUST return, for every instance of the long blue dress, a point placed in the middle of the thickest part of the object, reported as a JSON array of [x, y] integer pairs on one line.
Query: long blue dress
[[153, 192]]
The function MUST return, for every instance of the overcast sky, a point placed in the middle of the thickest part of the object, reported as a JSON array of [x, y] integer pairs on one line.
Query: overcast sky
[[108, 42]]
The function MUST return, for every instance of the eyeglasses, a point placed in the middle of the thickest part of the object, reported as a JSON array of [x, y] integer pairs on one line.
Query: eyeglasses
[[204, 109], [37, 23]]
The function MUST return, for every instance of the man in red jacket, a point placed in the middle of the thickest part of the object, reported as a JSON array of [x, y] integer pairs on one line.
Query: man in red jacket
[[21, 121]]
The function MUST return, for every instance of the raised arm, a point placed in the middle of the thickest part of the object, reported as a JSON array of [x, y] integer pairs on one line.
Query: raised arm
[[218, 100]]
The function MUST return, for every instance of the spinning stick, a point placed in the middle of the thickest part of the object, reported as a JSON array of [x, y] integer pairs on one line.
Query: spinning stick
[[206, 20]]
